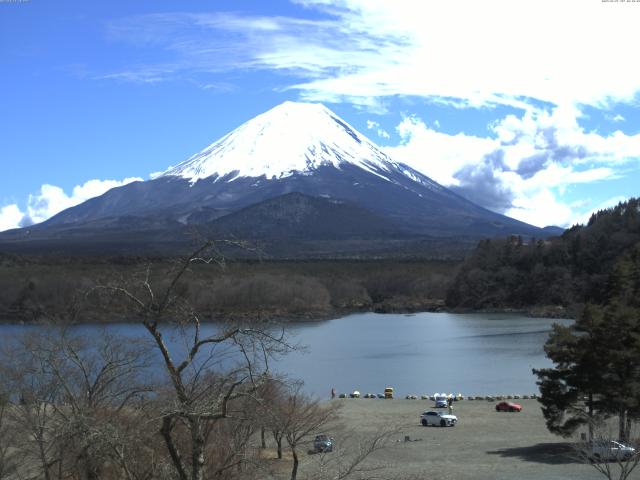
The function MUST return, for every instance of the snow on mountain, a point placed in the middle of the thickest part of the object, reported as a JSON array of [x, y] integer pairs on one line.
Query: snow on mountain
[[290, 138], [298, 171]]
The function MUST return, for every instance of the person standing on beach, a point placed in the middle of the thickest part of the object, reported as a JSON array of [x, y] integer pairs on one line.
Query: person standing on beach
[[450, 405], [333, 393]]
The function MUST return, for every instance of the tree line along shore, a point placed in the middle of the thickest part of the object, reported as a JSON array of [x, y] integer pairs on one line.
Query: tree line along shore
[[40, 289], [546, 278]]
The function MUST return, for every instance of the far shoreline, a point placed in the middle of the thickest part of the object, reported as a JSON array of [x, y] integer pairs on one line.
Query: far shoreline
[[277, 317]]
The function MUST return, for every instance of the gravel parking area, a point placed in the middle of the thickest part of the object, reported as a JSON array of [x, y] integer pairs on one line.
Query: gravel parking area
[[484, 444]]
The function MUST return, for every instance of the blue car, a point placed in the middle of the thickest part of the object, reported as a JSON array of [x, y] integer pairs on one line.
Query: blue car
[[441, 402], [323, 443]]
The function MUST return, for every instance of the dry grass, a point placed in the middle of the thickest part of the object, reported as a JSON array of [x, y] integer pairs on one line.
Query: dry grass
[[484, 445]]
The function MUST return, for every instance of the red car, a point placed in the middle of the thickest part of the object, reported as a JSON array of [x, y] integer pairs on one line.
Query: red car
[[508, 407]]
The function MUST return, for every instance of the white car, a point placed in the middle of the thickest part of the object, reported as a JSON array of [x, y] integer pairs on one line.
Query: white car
[[610, 450], [438, 418]]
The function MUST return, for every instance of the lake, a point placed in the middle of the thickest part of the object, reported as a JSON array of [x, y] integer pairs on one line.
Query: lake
[[416, 354], [422, 353]]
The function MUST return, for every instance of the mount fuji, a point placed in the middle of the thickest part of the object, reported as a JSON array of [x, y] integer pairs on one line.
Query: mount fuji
[[297, 177]]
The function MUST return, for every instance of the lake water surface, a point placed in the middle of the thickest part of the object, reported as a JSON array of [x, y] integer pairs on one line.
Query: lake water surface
[[422, 353], [417, 353]]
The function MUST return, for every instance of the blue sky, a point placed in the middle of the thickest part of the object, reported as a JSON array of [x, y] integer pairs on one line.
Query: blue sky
[[529, 108]]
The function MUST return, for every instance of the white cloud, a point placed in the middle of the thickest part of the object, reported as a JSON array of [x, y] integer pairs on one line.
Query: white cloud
[[10, 217], [525, 170], [490, 52], [542, 209], [466, 52], [437, 154], [611, 202], [52, 200], [371, 125], [538, 200]]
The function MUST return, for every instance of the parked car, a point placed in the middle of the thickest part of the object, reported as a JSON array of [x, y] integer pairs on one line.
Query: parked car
[[610, 450], [323, 443], [441, 401], [508, 407], [438, 418], [388, 392]]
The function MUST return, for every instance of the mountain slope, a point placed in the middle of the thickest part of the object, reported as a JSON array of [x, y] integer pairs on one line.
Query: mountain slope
[[294, 147], [295, 216]]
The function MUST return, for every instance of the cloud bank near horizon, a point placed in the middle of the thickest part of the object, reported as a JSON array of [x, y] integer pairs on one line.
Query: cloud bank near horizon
[[52, 199], [523, 169]]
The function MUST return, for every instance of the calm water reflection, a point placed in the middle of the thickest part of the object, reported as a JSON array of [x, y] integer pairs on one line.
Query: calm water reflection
[[420, 353]]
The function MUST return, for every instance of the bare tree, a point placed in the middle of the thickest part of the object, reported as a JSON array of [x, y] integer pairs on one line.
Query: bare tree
[[351, 459], [270, 412], [233, 451], [70, 396], [8, 460], [295, 417], [134, 446], [211, 370], [30, 413]]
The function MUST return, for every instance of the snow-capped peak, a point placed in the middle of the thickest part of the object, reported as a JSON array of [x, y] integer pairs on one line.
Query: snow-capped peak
[[290, 138]]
